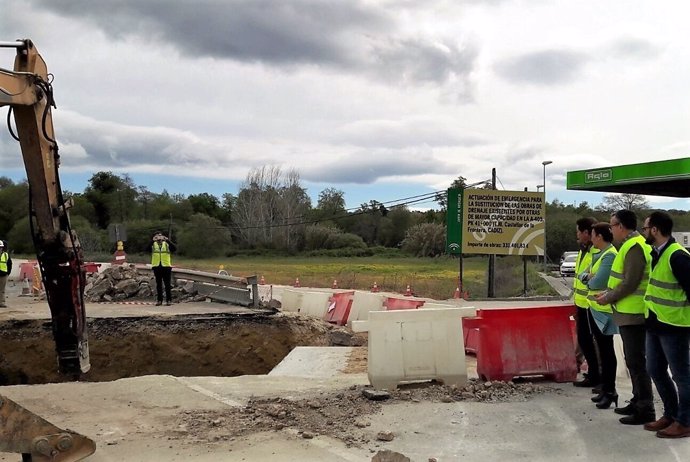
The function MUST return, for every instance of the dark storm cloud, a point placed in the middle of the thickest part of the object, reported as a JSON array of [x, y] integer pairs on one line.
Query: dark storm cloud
[[368, 167], [346, 35], [548, 67]]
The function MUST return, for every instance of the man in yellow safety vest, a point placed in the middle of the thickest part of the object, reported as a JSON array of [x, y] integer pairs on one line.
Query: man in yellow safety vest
[[626, 288], [585, 339], [5, 270], [161, 263], [667, 303]]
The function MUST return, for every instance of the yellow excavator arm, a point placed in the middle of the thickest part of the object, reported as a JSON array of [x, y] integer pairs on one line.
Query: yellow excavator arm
[[27, 90]]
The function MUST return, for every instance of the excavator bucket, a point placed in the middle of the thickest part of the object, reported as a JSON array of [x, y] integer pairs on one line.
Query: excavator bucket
[[22, 431]]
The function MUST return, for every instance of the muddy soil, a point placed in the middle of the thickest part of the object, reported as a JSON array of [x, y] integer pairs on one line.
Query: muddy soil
[[342, 414], [190, 345]]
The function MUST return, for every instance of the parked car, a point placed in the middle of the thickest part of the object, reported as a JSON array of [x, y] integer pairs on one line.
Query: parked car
[[568, 265], [569, 252]]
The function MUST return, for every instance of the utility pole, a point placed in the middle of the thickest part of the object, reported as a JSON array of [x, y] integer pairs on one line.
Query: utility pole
[[492, 258]]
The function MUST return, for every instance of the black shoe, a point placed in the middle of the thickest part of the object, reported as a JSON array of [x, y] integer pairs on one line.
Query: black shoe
[[159, 303], [586, 383], [637, 419], [607, 399], [168, 303], [625, 410], [599, 397]]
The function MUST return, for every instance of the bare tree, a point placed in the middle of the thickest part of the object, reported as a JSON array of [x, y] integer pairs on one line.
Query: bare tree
[[270, 207], [625, 201], [255, 208]]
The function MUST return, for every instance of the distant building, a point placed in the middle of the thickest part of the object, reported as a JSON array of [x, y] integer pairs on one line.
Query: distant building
[[683, 238]]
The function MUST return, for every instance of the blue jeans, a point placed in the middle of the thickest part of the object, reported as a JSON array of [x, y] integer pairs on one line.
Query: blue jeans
[[672, 350]]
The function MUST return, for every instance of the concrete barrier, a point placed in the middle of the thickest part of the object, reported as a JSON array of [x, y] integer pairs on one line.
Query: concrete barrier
[[308, 303], [410, 345], [362, 304]]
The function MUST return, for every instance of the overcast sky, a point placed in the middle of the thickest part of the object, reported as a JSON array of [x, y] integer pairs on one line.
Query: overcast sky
[[380, 98]]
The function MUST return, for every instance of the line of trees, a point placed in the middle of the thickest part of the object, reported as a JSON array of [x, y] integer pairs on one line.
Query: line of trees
[[271, 212]]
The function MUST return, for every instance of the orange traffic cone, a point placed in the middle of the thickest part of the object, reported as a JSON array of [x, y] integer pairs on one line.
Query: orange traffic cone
[[335, 284], [375, 287], [262, 281], [408, 291], [297, 283], [466, 295], [457, 294]]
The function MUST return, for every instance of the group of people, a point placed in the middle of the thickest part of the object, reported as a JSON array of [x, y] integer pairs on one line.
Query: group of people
[[161, 263], [636, 285]]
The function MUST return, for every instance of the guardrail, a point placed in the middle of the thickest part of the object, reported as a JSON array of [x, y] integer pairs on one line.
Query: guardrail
[[230, 289]]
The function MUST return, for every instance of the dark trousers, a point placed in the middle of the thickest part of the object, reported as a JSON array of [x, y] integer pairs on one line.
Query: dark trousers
[[607, 354], [671, 349], [585, 340], [163, 276], [634, 344]]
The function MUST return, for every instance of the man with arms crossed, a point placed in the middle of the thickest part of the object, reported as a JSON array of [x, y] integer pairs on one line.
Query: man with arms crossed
[[626, 290]]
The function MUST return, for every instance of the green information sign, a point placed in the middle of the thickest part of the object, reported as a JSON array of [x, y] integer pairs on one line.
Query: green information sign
[[454, 221]]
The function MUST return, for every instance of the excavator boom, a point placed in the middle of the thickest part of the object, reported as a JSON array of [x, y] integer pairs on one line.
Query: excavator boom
[[27, 90]]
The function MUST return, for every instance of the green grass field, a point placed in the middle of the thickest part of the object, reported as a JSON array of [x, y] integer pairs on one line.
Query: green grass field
[[428, 277]]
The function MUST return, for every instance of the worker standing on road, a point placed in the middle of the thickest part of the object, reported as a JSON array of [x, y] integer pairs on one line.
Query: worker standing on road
[[626, 288], [601, 320], [161, 263], [585, 339], [5, 270], [667, 303]]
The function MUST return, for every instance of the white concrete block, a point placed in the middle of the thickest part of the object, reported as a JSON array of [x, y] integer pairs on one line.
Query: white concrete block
[[306, 302], [362, 304], [291, 300], [315, 304], [408, 345]]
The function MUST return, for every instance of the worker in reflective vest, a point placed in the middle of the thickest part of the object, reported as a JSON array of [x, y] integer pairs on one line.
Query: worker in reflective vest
[[5, 270], [626, 288], [601, 317], [161, 263], [667, 304], [585, 339]]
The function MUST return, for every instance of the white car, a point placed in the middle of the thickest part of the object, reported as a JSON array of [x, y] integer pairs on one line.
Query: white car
[[568, 265]]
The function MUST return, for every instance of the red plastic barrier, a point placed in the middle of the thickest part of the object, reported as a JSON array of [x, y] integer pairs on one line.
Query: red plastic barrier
[[515, 342], [393, 303], [339, 308], [470, 333], [91, 267]]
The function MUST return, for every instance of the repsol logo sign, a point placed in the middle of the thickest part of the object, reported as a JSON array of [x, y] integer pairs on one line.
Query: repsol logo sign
[[596, 176]]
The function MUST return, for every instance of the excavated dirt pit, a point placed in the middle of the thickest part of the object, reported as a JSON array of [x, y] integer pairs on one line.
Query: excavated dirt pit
[[189, 345]]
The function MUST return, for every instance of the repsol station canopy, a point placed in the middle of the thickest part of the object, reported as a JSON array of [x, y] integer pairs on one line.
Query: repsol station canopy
[[661, 178]]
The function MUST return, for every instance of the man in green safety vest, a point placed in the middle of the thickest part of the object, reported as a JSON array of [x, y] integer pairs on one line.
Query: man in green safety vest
[[626, 288], [667, 303], [585, 339], [5, 270], [161, 263]]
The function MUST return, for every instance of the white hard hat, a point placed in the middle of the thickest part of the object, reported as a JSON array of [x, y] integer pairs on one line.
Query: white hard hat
[[2, 244]]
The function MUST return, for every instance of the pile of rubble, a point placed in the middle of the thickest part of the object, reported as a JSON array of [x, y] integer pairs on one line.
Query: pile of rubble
[[124, 282], [342, 414]]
